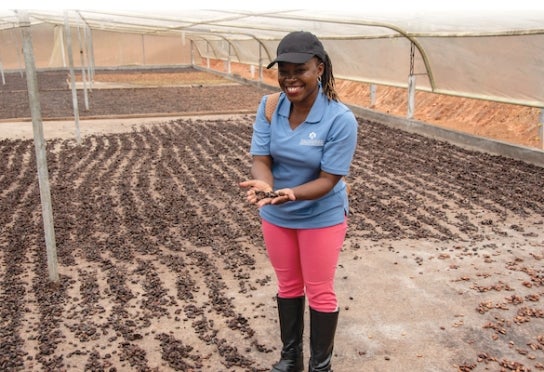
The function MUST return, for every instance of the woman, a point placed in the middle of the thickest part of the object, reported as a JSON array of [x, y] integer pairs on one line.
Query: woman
[[299, 160]]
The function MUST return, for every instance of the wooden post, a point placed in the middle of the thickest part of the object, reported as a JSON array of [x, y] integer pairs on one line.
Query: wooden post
[[39, 145]]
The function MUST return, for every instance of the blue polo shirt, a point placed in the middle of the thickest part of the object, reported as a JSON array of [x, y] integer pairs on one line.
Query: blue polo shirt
[[325, 141]]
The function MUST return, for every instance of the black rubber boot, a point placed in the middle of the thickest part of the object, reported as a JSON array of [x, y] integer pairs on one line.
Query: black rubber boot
[[291, 316], [322, 331]]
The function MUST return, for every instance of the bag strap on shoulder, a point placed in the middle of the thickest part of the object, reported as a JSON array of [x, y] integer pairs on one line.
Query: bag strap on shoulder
[[270, 105]]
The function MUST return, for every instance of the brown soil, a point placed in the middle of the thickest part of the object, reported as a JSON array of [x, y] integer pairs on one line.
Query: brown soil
[[175, 94], [162, 266]]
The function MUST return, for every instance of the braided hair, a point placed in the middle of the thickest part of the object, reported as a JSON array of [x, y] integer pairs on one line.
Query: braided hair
[[327, 79]]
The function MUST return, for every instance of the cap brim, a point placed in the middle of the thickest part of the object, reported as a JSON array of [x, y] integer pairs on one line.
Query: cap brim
[[291, 58]]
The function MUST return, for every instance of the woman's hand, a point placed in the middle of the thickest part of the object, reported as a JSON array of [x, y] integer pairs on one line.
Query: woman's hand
[[284, 195], [261, 193]]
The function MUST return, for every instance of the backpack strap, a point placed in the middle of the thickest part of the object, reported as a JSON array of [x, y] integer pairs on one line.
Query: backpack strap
[[270, 105]]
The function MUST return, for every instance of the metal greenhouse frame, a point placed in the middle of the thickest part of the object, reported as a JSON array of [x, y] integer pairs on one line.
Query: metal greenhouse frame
[[494, 55]]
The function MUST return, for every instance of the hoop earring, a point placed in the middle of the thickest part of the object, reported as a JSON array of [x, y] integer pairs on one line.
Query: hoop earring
[[319, 79]]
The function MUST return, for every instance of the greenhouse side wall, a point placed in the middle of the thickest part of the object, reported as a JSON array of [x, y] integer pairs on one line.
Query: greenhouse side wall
[[110, 49]]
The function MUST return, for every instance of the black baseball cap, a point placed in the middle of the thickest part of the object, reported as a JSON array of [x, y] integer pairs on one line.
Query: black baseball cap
[[298, 47]]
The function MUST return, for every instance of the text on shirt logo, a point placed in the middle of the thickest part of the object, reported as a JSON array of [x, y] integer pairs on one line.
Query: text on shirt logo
[[311, 140]]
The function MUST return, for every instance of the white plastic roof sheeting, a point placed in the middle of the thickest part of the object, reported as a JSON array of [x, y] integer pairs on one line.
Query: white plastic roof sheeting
[[488, 54]]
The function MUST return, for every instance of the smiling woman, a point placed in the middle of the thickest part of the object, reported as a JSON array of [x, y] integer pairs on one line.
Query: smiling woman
[[302, 153]]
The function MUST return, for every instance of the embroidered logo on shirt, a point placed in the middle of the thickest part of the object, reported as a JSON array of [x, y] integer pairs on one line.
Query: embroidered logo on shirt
[[311, 140]]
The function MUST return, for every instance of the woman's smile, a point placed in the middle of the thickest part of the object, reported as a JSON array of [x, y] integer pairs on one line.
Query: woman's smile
[[293, 90]]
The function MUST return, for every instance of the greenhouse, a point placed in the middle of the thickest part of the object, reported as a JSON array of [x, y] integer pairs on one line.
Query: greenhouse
[[127, 244]]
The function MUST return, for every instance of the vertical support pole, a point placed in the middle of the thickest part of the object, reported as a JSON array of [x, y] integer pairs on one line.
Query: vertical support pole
[[541, 128], [61, 46], [19, 59], [83, 74], [72, 75], [90, 54], [411, 84], [2, 72], [229, 71], [86, 54], [56, 57], [372, 95], [193, 53], [143, 49], [207, 55], [411, 96], [191, 46], [261, 77], [39, 145]]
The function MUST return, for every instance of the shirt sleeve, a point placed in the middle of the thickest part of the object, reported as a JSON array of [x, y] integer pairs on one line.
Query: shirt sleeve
[[260, 140], [340, 145]]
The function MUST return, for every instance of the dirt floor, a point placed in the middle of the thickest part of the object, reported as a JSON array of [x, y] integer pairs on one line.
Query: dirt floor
[[162, 266]]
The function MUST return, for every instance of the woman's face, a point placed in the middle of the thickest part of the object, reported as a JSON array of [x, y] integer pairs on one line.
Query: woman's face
[[299, 80]]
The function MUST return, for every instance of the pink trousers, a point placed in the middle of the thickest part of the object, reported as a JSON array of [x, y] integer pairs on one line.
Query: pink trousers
[[305, 262]]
